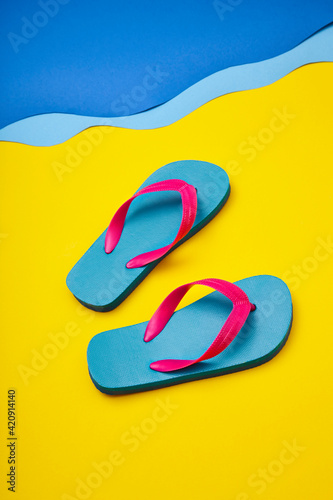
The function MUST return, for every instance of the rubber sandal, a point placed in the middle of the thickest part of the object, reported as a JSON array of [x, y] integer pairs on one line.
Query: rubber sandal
[[256, 314], [117, 262]]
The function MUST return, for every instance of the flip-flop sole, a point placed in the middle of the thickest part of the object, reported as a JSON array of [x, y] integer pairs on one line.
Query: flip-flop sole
[[101, 281], [119, 359]]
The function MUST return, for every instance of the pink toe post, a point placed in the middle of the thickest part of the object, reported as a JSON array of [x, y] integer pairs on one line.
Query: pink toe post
[[241, 309], [189, 201]]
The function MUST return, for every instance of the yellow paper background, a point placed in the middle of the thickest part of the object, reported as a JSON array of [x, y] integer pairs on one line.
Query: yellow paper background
[[226, 438]]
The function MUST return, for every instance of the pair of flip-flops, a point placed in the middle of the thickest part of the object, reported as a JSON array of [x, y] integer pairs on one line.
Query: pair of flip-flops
[[255, 313]]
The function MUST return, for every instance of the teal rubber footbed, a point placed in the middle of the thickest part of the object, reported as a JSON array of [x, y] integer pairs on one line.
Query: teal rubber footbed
[[119, 359], [101, 281]]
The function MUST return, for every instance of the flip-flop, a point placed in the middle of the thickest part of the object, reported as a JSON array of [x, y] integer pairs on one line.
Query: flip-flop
[[254, 330], [116, 263]]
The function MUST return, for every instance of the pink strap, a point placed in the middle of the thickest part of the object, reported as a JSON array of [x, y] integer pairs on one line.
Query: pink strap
[[189, 200], [232, 326]]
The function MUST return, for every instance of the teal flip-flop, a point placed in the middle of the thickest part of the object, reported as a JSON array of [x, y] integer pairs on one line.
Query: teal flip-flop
[[254, 330], [117, 262]]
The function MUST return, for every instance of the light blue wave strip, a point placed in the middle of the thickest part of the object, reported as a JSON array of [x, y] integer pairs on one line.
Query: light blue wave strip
[[54, 128]]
